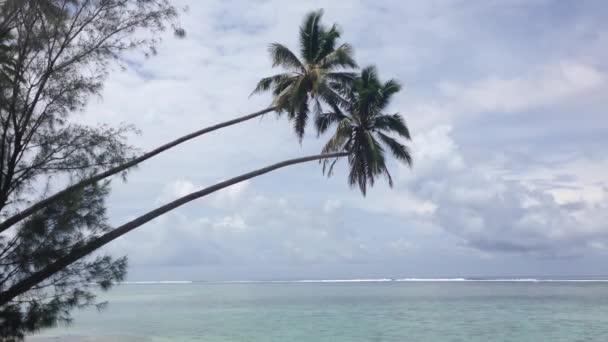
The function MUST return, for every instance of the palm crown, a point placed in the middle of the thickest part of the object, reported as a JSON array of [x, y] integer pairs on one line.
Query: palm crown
[[363, 129], [314, 77]]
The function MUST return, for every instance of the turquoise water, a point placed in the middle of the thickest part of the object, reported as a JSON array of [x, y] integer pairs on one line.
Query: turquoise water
[[362, 311]]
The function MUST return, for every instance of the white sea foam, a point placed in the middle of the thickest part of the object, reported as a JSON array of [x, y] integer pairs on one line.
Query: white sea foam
[[377, 280], [575, 280], [465, 279], [344, 280], [431, 279], [155, 282], [307, 281], [525, 280]]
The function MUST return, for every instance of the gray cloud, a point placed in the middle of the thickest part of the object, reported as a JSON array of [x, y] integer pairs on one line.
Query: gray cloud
[[500, 213]]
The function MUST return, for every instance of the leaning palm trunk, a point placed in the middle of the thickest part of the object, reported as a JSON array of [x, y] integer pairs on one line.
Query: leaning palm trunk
[[9, 222], [35, 278]]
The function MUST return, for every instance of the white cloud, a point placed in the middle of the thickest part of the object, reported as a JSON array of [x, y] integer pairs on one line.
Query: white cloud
[[180, 188], [401, 246], [547, 85], [223, 197], [501, 203], [232, 223], [332, 205], [494, 212], [230, 194]]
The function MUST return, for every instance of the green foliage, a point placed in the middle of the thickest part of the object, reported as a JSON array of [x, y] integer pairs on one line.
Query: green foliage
[[7, 62], [55, 55], [312, 79], [363, 129], [45, 237]]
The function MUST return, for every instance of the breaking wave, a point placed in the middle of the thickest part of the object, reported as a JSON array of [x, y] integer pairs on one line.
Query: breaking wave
[[379, 280], [155, 282]]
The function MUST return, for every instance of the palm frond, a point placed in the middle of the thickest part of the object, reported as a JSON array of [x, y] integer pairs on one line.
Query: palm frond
[[299, 92], [325, 120], [375, 154], [300, 119], [328, 43], [282, 86], [342, 78], [392, 123], [329, 170], [282, 56], [283, 102], [389, 178], [266, 83], [340, 140], [369, 77], [298, 103], [311, 35], [366, 160], [341, 86], [388, 89], [398, 150], [356, 175], [377, 160], [342, 57], [331, 97], [317, 109], [368, 95]]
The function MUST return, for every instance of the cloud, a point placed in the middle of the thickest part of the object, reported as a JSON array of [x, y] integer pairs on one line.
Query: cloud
[[547, 85], [261, 230], [401, 246], [230, 194], [499, 213], [488, 212], [234, 223], [508, 117], [179, 188], [331, 205], [182, 187]]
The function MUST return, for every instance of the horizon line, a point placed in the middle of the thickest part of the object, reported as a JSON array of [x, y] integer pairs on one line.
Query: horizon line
[[380, 280]]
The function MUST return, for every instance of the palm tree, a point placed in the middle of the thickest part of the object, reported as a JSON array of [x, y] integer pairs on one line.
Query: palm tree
[[32, 279], [363, 128], [361, 131], [357, 102], [358, 135], [314, 77]]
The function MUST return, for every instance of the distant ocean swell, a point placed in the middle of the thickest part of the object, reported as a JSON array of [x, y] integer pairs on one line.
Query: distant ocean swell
[[375, 280]]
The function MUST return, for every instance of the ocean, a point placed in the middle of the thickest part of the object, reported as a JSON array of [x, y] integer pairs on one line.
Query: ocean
[[349, 310]]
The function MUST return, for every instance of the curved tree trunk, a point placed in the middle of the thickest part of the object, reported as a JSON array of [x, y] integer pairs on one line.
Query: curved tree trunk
[[88, 181], [39, 276]]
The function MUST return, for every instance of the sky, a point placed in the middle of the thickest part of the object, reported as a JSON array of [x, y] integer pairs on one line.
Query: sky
[[506, 103]]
